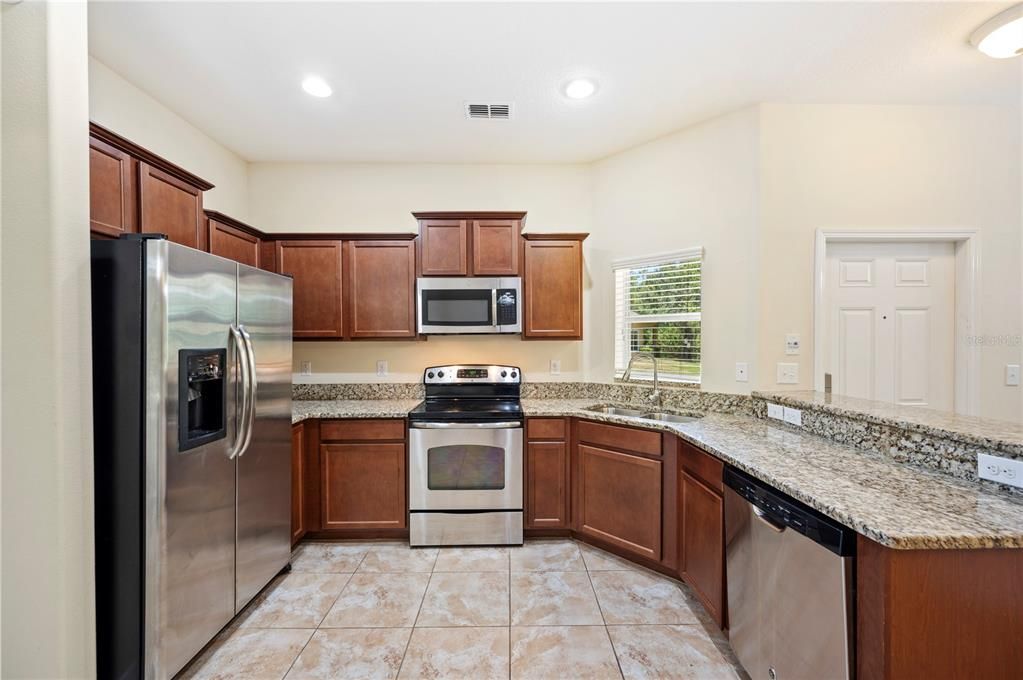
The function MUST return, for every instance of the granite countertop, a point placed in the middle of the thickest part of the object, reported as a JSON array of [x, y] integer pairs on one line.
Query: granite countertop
[[895, 504]]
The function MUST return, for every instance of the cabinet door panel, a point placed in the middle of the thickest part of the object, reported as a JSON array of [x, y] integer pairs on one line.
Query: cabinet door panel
[[546, 485], [620, 500], [268, 255], [495, 247], [298, 527], [170, 206], [381, 289], [363, 486], [444, 247], [703, 544], [234, 244], [553, 289], [316, 268], [112, 197]]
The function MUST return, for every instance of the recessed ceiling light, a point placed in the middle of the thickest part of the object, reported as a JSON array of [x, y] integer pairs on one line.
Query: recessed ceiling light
[[580, 88], [1001, 36], [316, 86]]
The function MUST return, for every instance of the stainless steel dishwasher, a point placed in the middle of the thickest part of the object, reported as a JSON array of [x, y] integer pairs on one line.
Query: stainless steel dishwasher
[[790, 585]]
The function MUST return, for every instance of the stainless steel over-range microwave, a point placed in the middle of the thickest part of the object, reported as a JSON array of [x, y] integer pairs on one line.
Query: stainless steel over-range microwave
[[469, 304]]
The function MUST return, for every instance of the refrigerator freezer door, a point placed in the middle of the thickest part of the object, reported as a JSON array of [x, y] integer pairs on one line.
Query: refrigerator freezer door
[[190, 494], [264, 467]]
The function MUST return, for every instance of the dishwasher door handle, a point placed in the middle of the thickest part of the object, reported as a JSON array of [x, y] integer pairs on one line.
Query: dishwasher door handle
[[762, 516]]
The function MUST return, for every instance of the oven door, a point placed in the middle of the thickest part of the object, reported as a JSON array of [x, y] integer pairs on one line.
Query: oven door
[[465, 466], [468, 305]]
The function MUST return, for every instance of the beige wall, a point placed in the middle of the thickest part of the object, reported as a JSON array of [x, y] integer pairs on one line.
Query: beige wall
[[129, 111], [895, 168], [47, 588]]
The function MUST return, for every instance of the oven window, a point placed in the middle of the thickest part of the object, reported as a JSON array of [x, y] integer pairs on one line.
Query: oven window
[[457, 307], [465, 467]]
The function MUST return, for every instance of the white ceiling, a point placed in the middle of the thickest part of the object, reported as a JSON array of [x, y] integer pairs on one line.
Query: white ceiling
[[402, 72]]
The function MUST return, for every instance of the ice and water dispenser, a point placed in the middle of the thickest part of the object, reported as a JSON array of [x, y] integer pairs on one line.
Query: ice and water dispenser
[[202, 397]]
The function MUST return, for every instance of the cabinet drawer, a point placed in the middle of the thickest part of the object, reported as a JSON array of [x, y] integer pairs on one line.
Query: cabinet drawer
[[546, 428], [702, 466], [362, 430], [619, 437]]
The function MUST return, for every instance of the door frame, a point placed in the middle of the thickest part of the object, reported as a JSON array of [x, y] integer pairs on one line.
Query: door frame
[[966, 313]]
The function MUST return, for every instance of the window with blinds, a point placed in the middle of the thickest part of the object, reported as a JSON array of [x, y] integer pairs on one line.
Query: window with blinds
[[657, 311]]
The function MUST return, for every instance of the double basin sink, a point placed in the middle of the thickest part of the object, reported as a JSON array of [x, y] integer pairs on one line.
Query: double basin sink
[[643, 414]]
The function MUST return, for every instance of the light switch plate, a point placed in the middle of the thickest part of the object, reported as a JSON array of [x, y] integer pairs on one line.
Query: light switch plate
[[788, 374], [1012, 375], [307, 368], [1002, 470], [381, 368], [775, 411], [555, 366], [793, 416], [741, 371], [792, 343]]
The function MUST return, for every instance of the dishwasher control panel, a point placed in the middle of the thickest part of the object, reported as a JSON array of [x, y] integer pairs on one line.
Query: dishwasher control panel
[[786, 511]]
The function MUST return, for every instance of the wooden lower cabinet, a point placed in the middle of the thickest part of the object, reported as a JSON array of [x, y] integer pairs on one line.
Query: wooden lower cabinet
[[298, 475], [363, 485], [702, 544], [547, 466], [619, 500]]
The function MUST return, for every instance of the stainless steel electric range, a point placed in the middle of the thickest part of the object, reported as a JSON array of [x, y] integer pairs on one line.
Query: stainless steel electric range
[[465, 458]]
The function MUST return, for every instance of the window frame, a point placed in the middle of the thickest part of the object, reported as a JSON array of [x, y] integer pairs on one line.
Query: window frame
[[621, 343]]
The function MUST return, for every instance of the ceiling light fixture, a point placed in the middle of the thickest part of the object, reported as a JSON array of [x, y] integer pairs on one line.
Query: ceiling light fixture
[[316, 86], [1002, 35], [580, 88]]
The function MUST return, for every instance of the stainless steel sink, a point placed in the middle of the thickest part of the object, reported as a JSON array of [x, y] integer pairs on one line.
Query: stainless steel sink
[[616, 411], [670, 417]]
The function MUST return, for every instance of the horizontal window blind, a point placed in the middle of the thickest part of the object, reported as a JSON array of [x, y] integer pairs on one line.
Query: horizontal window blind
[[657, 311]]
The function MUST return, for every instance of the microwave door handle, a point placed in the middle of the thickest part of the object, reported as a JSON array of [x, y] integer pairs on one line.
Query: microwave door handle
[[493, 306]]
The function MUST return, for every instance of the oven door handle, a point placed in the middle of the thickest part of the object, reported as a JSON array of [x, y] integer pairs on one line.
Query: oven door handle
[[504, 425]]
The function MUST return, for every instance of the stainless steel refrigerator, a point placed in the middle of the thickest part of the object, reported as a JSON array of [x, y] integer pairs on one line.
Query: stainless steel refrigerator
[[192, 411]]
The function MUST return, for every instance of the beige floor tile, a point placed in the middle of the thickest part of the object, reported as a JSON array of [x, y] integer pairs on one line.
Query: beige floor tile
[[294, 601], [328, 558], [553, 598], [668, 653], [456, 654], [249, 654], [472, 559], [598, 560], [378, 601], [456, 599], [547, 556], [637, 597], [398, 559], [352, 654], [551, 652]]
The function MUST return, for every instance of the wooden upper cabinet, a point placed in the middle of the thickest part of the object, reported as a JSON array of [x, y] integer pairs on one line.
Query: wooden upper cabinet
[[495, 247], [381, 289], [552, 286], [112, 190], [228, 239], [170, 206], [268, 255], [444, 247], [316, 268]]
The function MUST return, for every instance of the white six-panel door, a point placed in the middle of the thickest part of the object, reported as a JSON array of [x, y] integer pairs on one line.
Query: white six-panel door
[[891, 314]]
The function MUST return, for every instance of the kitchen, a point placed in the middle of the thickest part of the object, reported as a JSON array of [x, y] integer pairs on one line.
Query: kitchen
[[633, 332]]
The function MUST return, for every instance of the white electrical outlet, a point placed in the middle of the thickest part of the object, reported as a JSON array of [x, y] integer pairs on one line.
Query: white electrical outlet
[[793, 416], [1012, 375], [788, 374], [307, 368], [792, 343], [555, 366], [381, 368], [775, 411], [741, 371], [997, 469]]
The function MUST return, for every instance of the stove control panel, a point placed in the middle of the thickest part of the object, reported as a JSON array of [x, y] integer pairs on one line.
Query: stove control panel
[[467, 374]]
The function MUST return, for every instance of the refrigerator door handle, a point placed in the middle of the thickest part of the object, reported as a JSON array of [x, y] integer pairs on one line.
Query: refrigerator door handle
[[246, 377], [250, 356]]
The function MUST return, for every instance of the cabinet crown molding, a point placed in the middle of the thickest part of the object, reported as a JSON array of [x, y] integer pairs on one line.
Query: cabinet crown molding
[[147, 156], [470, 215]]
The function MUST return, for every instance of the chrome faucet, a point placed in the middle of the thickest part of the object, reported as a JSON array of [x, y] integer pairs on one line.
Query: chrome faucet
[[655, 396]]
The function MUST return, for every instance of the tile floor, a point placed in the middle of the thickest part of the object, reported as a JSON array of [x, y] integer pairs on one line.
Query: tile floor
[[550, 609]]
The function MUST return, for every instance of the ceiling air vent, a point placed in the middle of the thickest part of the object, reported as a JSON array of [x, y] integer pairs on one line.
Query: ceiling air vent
[[488, 111]]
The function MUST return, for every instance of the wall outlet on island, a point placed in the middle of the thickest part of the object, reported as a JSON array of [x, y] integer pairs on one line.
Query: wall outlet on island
[[555, 366], [307, 368], [381, 368], [998, 469]]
